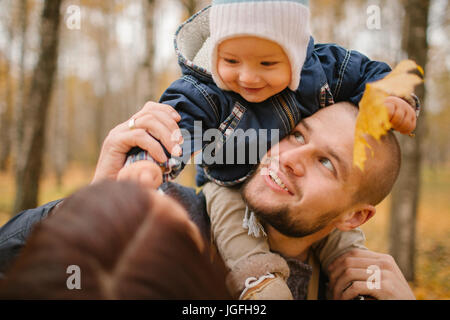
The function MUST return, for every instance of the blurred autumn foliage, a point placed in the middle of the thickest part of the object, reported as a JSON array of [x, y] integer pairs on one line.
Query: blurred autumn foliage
[[113, 56]]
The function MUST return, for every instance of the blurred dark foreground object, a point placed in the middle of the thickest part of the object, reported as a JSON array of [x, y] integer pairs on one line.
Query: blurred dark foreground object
[[127, 243]]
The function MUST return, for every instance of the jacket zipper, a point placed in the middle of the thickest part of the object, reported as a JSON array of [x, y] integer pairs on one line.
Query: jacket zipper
[[288, 111]]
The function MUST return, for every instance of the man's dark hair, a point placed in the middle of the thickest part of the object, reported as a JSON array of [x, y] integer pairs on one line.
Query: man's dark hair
[[378, 182], [382, 166]]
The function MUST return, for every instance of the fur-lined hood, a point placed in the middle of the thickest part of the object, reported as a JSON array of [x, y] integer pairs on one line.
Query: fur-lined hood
[[192, 42]]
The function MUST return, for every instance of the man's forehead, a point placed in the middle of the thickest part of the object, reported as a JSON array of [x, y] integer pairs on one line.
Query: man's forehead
[[330, 127], [338, 119]]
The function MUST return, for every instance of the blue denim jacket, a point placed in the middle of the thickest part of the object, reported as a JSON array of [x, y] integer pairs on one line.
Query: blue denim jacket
[[330, 74]]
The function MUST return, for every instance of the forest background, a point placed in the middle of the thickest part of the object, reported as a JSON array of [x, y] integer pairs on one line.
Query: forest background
[[72, 70]]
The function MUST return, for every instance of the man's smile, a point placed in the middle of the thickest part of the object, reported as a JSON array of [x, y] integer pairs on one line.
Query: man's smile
[[276, 183]]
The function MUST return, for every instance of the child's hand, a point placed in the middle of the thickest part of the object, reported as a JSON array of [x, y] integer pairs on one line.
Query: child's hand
[[146, 173], [401, 114]]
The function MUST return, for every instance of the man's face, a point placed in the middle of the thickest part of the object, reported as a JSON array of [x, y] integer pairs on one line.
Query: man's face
[[255, 68], [311, 180]]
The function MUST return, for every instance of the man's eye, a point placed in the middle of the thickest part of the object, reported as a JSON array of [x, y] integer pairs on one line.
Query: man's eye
[[327, 164], [299, 137], [269, 63]]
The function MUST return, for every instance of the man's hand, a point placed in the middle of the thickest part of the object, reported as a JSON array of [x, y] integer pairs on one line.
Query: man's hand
[[401, 114], [154, 122], [348, 277]]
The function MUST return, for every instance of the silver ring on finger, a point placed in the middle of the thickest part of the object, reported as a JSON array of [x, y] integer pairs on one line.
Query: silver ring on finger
[[132, 124]]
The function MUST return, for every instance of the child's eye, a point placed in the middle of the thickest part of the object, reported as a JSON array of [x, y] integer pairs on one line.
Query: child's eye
[[268, 63], [231, 61], [327, 163], [298, 137]]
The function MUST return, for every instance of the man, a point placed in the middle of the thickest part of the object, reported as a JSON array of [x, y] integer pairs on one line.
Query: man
[[311, 166], [316, 190]]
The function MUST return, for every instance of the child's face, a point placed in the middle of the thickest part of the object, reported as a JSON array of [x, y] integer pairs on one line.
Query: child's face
[[253, 67]]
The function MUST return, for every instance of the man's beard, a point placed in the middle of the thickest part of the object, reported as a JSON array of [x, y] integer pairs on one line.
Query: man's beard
[[283, 219]]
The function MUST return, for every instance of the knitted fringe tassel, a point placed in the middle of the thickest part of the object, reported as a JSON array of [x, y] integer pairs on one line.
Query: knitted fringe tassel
[[251, 223]]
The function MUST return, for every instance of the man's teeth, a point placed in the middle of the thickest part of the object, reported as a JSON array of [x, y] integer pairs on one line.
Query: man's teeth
[[277, 180]]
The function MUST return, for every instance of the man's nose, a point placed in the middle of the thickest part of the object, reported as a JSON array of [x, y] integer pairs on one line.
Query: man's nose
[[294, 160]]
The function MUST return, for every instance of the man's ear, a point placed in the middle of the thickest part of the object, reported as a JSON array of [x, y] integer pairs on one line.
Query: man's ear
[[356, 217]]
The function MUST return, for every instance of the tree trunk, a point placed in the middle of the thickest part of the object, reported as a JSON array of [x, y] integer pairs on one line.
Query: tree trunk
[[103, 46], [21, 103], [6, 114], [148, 66], [30, 160], [60, 139], [190, 6], [405, 195], [6, 120]]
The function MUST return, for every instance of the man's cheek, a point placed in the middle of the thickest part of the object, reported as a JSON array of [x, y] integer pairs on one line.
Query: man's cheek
[[329, 200]]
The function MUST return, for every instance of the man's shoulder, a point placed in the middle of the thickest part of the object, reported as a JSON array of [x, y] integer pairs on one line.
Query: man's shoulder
[[25, 220]]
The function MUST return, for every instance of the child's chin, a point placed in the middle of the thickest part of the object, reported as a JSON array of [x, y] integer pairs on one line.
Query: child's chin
[[254, 99]]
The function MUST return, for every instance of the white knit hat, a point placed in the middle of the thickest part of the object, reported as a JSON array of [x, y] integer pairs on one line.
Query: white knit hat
[[285, 22]]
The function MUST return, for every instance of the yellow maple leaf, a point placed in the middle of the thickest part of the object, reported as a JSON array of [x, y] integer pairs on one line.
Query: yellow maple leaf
[[373, 117]]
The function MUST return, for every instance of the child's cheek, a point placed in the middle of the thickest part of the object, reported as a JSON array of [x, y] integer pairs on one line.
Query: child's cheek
[[280, 79], [225, 73]]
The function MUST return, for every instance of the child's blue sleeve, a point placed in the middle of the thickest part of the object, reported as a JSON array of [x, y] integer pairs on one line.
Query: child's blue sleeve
[[194, 101], [348, 71]]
